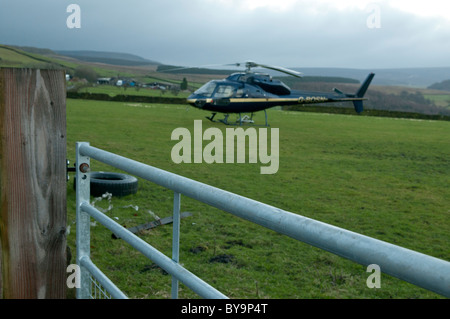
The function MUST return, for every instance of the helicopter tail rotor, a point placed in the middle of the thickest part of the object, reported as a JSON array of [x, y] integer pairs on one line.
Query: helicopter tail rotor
[[357, 98]]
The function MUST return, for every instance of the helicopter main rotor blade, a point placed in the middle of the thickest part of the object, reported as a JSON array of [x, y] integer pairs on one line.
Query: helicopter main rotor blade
[[172, 69], [248, 65], [276, 68]]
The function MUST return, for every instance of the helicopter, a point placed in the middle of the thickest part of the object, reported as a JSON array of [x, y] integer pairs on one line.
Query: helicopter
[[249, 92]]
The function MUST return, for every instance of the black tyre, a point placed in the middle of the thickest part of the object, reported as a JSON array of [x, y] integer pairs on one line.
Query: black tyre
[[116, 184]]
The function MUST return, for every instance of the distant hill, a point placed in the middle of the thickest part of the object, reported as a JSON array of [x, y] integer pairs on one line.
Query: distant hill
[[409, 77], [41, 51], [174, 69], [443, 86], [112, 58], [395, 89], [289, 80]]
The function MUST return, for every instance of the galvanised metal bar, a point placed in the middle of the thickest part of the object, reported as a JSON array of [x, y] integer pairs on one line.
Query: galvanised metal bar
[[102, 279], [422, 270], [83, 235], [176, 239], [190, 280]]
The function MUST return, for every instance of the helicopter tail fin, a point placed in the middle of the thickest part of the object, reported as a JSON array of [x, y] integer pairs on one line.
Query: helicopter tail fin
[[362, 90], [358, 104]]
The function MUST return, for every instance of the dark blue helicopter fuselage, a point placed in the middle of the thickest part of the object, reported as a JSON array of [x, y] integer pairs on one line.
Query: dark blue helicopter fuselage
[[248, 93]]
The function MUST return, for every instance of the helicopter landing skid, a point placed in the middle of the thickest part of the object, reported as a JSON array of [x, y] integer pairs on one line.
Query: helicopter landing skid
[[211, 118], [224, 120], [241, 120]]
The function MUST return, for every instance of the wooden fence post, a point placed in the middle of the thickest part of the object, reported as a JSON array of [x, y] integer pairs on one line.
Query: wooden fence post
[[32, 183]]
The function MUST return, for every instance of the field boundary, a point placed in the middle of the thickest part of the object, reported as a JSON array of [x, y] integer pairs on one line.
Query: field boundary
[[126, 98], [296, 108], [367, 112]]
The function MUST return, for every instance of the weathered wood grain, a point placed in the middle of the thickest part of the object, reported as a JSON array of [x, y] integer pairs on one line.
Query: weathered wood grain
[[32, 183]]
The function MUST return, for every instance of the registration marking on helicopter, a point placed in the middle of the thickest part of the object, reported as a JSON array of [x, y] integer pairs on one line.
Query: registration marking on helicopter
[[311, 99]]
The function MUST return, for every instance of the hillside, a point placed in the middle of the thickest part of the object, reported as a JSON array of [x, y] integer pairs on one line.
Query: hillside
[[405, 98], [443, 86], [407, 77], [389, 98], [16, 57], [112, 58]]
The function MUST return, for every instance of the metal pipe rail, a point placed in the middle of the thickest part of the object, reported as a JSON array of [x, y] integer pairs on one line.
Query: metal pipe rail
[[173, 268], [419, 269], [88, 268]]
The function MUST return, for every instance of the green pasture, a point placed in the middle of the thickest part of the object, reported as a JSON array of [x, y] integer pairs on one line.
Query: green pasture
[[381, 177], [439, 99], [10, 58]]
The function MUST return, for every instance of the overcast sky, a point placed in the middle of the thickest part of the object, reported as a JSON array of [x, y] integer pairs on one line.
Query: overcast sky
[[304, 33]]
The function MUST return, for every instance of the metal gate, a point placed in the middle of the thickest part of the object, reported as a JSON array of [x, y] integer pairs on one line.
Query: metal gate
[[422, 270]]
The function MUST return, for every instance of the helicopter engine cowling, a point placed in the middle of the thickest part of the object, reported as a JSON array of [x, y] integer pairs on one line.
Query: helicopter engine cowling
[[272, 86]]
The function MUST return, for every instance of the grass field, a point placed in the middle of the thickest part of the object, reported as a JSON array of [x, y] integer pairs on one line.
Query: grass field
[[12, 57], [439, 99], [381, 177]]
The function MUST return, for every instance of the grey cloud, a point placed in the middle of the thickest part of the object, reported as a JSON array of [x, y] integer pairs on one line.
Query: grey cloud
[[201, 32]]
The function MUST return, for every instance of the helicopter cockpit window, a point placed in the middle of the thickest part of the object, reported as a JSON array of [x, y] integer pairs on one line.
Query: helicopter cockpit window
[[207, 89], [224, 91]]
